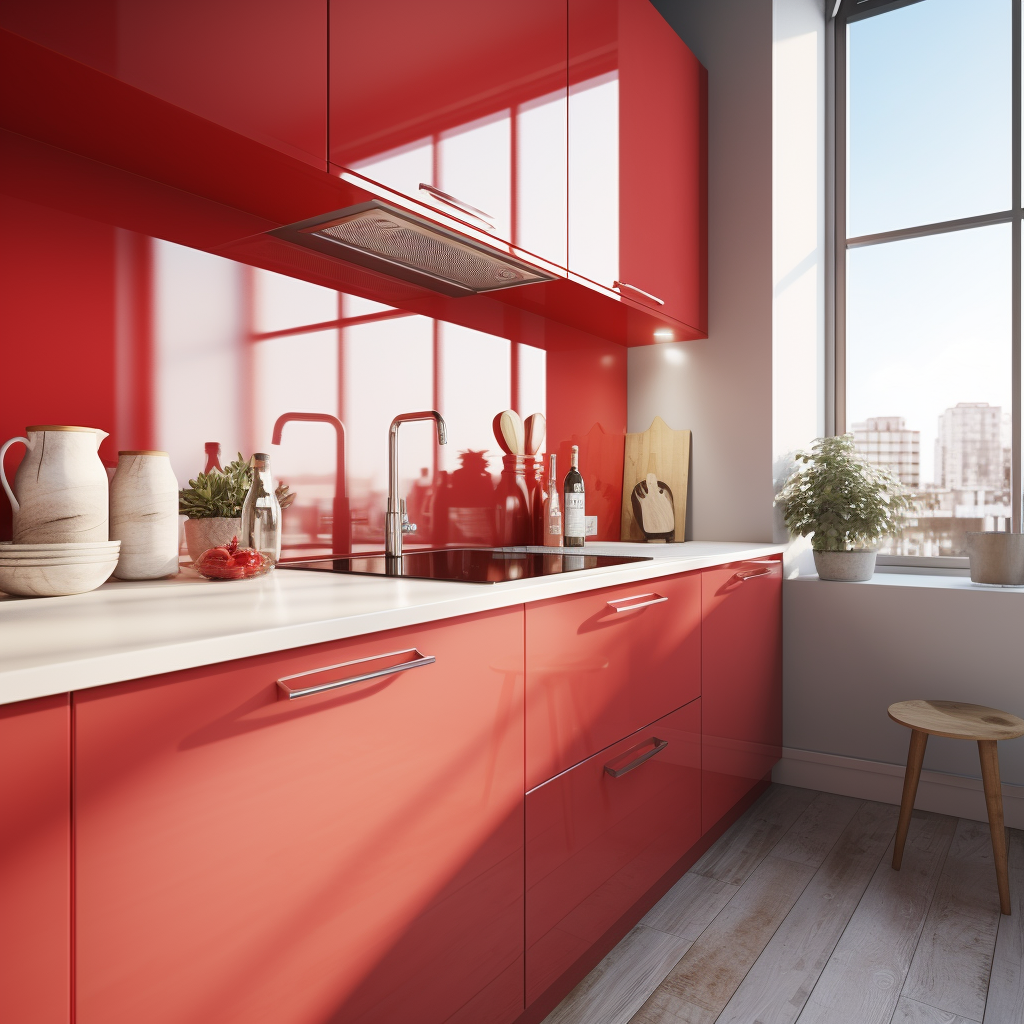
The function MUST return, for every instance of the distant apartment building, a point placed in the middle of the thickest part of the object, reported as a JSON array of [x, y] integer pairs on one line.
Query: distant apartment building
[[886, 441], [969, 448]]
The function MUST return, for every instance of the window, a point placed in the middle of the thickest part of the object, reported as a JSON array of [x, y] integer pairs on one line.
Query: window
[[927, 299]]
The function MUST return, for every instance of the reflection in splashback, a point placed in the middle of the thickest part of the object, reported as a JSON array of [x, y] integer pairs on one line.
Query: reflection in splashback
[[168, 346]]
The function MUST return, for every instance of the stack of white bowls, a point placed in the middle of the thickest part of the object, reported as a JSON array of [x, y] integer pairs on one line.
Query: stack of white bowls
[[56, 570]]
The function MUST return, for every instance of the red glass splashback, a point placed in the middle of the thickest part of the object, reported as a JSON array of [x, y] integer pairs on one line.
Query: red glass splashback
[[115, 314]]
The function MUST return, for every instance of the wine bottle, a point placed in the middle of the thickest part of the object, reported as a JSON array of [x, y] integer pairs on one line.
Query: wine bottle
[[575, 519], [551, 520]]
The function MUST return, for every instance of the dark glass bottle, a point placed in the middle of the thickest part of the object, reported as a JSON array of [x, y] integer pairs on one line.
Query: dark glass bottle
[[574, 519]]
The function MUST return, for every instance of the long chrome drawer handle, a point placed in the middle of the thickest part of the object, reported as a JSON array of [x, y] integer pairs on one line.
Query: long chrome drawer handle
[[619, 285], [659, 746], [752, 574], [458, 204], [292, 693], [619, 604]]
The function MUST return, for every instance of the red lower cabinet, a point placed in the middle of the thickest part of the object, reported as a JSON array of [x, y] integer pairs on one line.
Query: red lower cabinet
[[741, 641], [604, 663], [599, 836], [35, 861], [350, 856]]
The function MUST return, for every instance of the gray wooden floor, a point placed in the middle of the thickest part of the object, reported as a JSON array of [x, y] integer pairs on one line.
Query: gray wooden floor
[[795, 915]]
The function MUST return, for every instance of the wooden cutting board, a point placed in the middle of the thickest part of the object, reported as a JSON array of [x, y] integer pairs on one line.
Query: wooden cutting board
[[665, 453]]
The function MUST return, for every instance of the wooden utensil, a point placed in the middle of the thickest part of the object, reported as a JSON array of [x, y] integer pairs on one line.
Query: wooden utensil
[[509, 432], [535, 427], [651, 501], [665, 453]]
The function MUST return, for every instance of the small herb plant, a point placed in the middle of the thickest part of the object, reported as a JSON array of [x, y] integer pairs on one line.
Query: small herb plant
[[221, 493], [840, 498]]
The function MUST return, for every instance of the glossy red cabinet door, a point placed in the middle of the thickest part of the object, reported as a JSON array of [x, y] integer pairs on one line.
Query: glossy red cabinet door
[[258, 67], [35, 861], [638, 158], [601, 664], [351, 856], [595, 843], [742, 680], [462, 96]]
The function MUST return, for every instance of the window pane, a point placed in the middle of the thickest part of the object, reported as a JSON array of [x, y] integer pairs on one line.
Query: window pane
[[928, 377], [929, 114]]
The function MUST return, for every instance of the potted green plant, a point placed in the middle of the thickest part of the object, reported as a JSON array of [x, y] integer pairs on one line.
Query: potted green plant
[[846, 504], [213, 503]]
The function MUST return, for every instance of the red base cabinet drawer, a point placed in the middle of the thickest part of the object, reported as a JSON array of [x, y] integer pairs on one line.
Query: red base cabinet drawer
[[742, 681], [596, 843], [354, 856], [35, 861], [603, 664]]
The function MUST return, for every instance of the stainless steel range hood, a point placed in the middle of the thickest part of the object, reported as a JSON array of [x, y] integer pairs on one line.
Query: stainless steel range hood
[[396, 242]]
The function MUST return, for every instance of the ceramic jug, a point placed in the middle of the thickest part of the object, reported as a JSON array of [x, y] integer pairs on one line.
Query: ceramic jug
[[144, 515], [60, 488]]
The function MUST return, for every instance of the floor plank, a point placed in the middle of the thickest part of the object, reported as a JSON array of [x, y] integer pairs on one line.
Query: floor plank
[[690, 905], [864, 976], [1006, 986], [777, 986], [816, 831], [910, 1011], [618, 986], [752, 837], [951, 967], [698, 987]]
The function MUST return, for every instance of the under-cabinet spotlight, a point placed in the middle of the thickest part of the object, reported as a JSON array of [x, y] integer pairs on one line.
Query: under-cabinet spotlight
[[664, 334]]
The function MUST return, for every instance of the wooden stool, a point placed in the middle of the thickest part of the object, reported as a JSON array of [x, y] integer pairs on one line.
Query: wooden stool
[[960, 722]]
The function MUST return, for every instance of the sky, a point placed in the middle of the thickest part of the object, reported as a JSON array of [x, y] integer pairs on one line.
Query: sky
[[928, 319]]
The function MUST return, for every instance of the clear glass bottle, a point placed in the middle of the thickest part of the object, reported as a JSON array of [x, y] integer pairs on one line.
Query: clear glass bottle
[[261, 512]]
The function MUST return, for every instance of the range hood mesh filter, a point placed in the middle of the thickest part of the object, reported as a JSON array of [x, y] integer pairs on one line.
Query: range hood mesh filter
[[417, 246]]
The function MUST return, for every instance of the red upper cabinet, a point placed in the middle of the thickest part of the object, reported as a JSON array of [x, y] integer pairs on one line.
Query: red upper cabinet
[[35, 861], [258, 67], [465, 97], [638, 158], [354, 855], [741, 637]]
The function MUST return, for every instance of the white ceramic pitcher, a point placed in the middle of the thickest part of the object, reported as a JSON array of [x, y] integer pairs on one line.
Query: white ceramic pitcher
[[60, 488]]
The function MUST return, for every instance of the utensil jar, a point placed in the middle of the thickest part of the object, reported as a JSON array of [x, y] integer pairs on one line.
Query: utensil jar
[[144, 515]]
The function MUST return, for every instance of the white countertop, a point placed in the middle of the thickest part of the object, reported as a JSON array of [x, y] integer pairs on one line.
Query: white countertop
[[132, 630]]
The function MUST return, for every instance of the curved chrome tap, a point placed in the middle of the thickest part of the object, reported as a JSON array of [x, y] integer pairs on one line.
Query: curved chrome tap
[[395, 519]]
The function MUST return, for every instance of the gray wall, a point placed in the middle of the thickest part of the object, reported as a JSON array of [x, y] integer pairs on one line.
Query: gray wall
[[721, 388]]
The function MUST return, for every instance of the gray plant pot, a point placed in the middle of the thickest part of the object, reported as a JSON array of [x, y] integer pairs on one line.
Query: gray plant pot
[[997, 558], [845, 566], [203, 534]]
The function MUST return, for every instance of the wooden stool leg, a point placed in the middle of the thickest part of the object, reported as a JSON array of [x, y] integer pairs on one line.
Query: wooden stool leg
[[989, 755], [915, 757]]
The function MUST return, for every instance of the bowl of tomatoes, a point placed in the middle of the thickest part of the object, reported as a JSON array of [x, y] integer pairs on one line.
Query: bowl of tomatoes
[[231, 562]]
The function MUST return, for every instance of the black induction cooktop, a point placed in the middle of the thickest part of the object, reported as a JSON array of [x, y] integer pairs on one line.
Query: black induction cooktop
[[466, 565]]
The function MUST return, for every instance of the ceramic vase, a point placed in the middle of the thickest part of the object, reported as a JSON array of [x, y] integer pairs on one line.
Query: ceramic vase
[[845, 566], [203, 534], [60, 489], [144, 516], [997, 558]]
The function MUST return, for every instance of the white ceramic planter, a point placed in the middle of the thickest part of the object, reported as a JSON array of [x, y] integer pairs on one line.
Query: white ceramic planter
[[845, 566], [144, 516], [203, 534], [997, 558]]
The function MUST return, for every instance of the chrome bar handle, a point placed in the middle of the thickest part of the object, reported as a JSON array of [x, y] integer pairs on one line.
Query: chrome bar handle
[[287, 691], [619, 285], [659, 746], [458, 204], [750, 574], [619, 604]]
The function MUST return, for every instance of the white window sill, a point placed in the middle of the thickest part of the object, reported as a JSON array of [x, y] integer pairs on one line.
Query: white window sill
[[932, 581]]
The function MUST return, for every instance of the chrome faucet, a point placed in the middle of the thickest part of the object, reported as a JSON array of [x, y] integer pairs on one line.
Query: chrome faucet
[[397, 522]]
